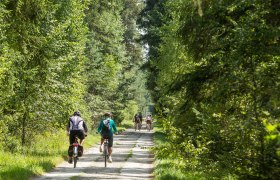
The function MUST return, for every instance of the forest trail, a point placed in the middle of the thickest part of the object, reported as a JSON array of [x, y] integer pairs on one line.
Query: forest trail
[[131, 160]]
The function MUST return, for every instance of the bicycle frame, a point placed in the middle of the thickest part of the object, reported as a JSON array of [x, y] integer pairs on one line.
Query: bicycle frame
[[105, 150]]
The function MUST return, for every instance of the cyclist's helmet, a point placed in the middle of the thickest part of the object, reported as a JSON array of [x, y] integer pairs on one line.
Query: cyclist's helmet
[[107, 114], [77, 113]]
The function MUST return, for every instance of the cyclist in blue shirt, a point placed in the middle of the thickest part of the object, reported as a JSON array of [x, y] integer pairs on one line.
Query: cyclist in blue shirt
[[106, 127]]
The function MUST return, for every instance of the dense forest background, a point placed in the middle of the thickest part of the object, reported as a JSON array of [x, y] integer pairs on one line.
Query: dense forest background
[[215, 78], [211, 67], [61, 56]]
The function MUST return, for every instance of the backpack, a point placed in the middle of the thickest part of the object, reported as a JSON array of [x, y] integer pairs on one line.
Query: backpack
[[75, 123], [106, 127]]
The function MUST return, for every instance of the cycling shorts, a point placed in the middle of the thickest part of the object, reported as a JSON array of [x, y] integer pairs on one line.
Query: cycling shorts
[[110, 140], [73, 133]]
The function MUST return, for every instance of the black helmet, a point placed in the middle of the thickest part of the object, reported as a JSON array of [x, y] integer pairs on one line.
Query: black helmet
[[77, 113]]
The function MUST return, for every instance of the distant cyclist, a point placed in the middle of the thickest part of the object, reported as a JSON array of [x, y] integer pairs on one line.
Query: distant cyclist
[[136, 121], [76, 127], [106, 127], [137, 118], [149, 120]]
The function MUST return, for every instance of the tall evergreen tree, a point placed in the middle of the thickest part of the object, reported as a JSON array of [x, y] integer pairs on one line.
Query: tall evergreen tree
[[106, 54]]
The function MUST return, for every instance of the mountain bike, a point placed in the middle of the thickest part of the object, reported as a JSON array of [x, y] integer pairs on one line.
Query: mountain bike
[[105, 151], [75, 151]]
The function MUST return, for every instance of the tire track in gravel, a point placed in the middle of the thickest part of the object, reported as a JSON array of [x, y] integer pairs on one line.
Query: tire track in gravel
[[131, 160]]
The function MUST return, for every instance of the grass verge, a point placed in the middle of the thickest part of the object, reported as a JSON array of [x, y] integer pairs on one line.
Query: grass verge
[[167, 168], [49, 150]]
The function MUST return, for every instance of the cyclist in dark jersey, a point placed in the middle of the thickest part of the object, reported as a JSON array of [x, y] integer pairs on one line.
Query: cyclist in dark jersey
[[76, 127], [136, 118]]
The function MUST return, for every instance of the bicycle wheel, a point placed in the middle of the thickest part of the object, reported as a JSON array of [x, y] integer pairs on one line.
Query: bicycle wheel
[[75, 161], [105, 155], [75, 154]]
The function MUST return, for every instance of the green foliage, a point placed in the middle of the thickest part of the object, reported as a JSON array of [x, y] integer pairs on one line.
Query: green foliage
[[130, 110], [114, 57], [217, 84], [50, 71], [168, 164], [60, 56], [43, 50], [105, 56]]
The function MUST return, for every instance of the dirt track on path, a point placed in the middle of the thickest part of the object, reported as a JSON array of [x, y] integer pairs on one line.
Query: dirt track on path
[[131, 160]]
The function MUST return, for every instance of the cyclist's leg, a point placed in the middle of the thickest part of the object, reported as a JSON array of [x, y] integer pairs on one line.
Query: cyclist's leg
[[101, 143], [72, 137], [149, 123], [135, 125], [81, 136], [110, 145], [71, 140]]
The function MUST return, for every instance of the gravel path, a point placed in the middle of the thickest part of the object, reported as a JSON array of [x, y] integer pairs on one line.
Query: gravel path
[[131, 160]]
